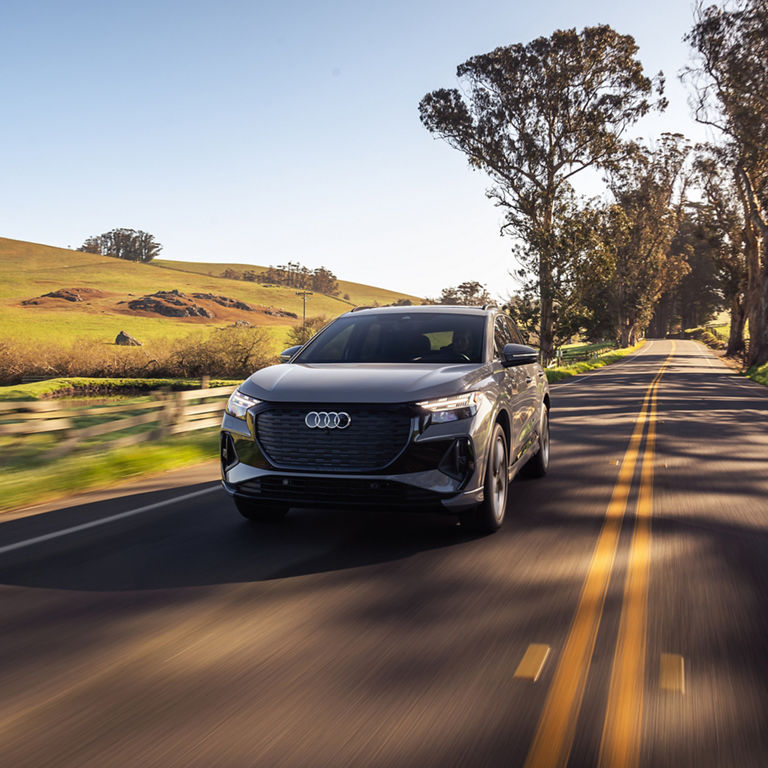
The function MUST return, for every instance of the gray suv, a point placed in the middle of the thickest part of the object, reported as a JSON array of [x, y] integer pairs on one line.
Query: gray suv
[[433, 407]]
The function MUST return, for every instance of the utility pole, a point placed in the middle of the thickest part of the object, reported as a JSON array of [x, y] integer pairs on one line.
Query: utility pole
[[304, 295]]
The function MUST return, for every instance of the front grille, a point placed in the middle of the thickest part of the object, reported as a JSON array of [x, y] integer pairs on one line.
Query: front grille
[[331, 491], [373, 439]]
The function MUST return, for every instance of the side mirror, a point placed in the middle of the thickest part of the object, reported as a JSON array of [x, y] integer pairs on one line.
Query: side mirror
[[287, 354], [519, 354]]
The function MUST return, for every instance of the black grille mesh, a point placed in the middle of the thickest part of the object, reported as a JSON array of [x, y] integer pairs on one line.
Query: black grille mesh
[[373, 439], [325, 491]]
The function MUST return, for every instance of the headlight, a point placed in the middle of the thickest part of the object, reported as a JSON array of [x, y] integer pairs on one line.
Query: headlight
[[239, 403], [451, 408]]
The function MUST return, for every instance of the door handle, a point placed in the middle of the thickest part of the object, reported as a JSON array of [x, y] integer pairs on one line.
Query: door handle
[[528, 379], [541, 374]]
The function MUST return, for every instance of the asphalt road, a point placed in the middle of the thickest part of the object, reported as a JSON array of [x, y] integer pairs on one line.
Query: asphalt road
[[632, 582]]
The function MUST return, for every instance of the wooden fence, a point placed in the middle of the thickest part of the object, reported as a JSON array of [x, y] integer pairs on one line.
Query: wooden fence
[[567, 356], [171, 412]]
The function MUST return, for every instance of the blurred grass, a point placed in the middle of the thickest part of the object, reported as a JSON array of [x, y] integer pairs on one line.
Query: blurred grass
[[74, 386], [555, 375], [31, 482], [28, 477]]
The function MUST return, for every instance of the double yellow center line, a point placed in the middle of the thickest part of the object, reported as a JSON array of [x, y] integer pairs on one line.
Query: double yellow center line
[[620, 743]]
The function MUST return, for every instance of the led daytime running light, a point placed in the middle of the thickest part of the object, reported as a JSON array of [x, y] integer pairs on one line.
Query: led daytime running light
[[468, 400], [239, 403]]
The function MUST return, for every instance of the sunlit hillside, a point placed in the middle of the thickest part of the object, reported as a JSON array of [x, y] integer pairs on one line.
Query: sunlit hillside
[[106, 285]]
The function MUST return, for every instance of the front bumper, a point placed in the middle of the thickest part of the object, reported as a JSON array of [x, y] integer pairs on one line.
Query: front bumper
[[378, 491], [435, 474]]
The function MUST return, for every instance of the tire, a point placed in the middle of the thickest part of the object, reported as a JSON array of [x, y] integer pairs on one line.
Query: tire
[[488, 516], [538, 464], [259, 512]]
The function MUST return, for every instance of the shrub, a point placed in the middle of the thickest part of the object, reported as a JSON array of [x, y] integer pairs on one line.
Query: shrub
[[706, 337], [228, 352], [301, 334]]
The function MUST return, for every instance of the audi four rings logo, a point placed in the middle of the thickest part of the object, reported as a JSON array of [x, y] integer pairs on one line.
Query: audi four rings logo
[[327, 420]]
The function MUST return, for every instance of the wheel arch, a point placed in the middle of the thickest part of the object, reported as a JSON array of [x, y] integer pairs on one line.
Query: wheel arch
[[502, 418]]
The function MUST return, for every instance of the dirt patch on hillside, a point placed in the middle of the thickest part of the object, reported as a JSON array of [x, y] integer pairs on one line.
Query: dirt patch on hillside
[[73, 295]]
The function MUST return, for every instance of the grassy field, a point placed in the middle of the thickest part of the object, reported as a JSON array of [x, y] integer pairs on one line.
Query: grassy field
[[29, 270], [759, 374], [555, 375], [359, 295], [21, 485], [39, 390]]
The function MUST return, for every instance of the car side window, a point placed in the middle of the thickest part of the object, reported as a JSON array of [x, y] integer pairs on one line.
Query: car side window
[[501, 337]]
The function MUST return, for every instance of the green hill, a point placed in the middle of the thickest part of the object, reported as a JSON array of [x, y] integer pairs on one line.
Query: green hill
[[106, 286]]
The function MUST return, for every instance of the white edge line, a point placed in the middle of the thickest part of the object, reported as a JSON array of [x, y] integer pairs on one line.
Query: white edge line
[[104, 520]]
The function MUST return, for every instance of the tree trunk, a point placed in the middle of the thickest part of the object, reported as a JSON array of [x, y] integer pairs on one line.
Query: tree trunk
[[736, 336], [625, 334], [546, 287], [756, 231], [546, 340]]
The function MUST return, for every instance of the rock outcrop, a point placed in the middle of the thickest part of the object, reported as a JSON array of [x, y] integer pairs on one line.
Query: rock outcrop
[[225, 301], [170, 304], [124, 340]]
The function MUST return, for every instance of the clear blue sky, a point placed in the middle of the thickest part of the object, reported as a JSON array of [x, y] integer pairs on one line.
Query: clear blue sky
[[264, 132]]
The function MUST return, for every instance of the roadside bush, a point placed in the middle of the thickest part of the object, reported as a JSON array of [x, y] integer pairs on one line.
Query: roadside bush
[[705, 337], [301, 334], [759, 374], [226, 353]]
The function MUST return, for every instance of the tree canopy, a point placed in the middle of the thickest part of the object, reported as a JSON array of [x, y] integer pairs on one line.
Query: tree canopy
[[730, 77], [129, 244], [470, 293], [532, 116]]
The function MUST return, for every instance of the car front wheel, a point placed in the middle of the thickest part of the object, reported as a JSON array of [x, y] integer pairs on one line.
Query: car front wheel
[[488, 516]]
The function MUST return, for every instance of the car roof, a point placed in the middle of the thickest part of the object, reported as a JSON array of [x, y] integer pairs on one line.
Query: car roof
[[448, 309]]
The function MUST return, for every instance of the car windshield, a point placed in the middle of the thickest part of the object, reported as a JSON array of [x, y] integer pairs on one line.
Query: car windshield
[[422, 337]]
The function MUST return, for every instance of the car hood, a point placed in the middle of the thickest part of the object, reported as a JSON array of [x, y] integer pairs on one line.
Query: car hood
[[361, 382]]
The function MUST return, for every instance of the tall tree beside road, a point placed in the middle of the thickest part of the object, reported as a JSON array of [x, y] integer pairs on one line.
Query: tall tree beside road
[[730, 76], [532, 116], [129, 244], [649, 190], [693, 300], [727, 223]]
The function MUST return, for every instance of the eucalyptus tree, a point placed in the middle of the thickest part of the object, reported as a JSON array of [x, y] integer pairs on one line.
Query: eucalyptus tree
[[470, 293], [695, 299], [533, 116], [123, 243], [730, 75], [649, 189], [721, 198]]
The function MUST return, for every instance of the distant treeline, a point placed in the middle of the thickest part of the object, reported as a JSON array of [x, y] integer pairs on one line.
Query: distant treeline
[[292, 274]]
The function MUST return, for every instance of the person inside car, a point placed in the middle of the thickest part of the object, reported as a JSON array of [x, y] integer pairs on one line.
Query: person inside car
[[460, 346]]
